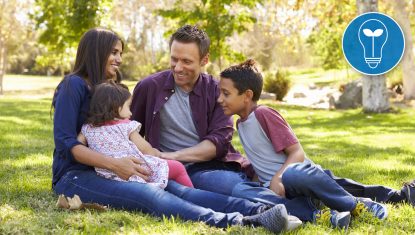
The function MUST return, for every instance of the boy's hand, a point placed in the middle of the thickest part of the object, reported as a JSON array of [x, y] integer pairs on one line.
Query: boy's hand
[[277, 186]]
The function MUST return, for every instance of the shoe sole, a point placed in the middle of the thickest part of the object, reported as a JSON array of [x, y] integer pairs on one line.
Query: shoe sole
[[344, 221], [293, 223]]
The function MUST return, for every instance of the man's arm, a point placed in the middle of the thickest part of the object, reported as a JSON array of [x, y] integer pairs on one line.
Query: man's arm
[[204, 151]]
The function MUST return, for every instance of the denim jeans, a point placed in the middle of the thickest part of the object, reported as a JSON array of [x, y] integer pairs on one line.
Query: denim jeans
[[235, 183], [309, 179], [176, 200], [323, 184], [377, 193]]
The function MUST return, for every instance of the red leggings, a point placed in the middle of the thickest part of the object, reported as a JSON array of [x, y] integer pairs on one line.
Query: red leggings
[[178, 173]]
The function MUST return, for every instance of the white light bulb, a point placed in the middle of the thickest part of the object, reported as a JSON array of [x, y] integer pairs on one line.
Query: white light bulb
[[373, 35]]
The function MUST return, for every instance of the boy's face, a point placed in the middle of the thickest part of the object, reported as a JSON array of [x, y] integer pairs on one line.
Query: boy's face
[[229, 98]]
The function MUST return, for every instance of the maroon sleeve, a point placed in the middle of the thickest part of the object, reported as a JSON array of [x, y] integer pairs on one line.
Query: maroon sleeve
[[276, 128], [220, 127]]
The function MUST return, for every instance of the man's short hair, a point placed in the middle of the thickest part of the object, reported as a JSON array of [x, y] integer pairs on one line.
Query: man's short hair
[[245, 76], [189, 34]]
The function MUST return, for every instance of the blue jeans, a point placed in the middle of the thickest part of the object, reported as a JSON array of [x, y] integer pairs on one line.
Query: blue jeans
[[323, 184], [309, 179], [377, 193], [176, 200], [235, 183]]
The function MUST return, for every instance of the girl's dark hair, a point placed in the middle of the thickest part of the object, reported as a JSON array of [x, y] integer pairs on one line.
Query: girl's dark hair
[[245, 76], [189, 34], [106, 101]]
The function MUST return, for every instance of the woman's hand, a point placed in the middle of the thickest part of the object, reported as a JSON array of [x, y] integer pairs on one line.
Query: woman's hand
[[129, 166], [277, 186]]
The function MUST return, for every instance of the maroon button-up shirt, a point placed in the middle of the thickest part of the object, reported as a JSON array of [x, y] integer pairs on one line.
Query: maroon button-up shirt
[[211, 123]]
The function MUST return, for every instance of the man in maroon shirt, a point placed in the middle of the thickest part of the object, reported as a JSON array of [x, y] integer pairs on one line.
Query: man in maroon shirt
[[180, 115]]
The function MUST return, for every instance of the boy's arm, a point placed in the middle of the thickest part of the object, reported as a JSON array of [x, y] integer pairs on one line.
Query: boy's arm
[[295, 153], [144, 146]]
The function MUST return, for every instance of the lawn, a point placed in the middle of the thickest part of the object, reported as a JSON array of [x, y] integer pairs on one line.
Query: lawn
[[373, 149]]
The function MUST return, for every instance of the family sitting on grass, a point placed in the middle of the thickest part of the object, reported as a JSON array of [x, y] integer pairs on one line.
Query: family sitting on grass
[[186, 165]]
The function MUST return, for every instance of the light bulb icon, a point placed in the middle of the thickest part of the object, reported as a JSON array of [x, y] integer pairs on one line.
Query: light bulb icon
[[373, 35]]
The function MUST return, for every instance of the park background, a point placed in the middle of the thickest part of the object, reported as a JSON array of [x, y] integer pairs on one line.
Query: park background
[[297, 45]]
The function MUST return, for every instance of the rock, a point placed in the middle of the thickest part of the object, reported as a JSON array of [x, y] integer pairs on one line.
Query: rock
[[312, 86], [351, 97], [299, 95], [267, 96]]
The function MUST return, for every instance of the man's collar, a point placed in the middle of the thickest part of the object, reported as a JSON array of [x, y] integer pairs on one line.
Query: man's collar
[[197, 89]]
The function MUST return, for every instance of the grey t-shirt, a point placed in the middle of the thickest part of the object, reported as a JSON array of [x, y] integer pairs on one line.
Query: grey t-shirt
[[177, 129], [264, 136]]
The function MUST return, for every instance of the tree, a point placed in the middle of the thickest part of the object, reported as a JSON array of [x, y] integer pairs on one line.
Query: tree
[[276, 38], [219, 18], [63, 23], [375, 95], [11, 28], [142, 28], [408, 64], [326, 38]]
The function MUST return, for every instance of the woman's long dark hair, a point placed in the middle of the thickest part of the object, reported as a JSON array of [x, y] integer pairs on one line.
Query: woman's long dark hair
[[92, 55]]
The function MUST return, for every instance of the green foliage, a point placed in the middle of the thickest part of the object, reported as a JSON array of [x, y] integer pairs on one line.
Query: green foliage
[[219, 18], [278, 83], [62, 24], [326, 38]]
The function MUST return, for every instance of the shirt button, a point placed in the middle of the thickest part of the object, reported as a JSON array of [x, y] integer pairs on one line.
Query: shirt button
[[166, 98], [172, 91], [154, 113]]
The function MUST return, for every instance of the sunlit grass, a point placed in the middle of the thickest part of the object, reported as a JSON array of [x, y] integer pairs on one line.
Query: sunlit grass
[[373, 149]]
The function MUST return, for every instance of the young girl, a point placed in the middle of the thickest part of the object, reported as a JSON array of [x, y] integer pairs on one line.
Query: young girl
[[109, 131]]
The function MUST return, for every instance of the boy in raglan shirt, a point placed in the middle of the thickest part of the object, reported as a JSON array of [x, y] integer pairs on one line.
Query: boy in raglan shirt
[[274, 151]]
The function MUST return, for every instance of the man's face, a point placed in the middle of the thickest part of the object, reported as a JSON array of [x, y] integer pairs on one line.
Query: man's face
[[231, 101], [186, 64]]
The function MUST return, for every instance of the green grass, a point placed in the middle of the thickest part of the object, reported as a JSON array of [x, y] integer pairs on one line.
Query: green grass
[[373, 149], [322, 77]]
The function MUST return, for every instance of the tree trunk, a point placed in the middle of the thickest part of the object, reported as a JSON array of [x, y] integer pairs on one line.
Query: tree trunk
[[408, 64], [2, 64], [374, 94]]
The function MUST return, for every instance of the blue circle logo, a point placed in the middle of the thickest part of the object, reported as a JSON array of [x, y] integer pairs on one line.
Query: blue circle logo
[[373, 43]]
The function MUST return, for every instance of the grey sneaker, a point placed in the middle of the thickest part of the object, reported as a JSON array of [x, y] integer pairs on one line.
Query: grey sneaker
[[274, 219], [409, 192], [377, 209], [336, 219]]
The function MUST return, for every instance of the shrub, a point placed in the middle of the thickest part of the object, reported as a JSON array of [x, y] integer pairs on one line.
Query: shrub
[[278, 83]]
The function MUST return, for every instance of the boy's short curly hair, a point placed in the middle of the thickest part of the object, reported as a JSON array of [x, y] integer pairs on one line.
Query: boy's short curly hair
[[107, 99], [245, 76]]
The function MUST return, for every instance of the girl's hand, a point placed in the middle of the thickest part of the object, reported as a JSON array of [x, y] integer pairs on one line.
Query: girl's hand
[[129, 166]]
